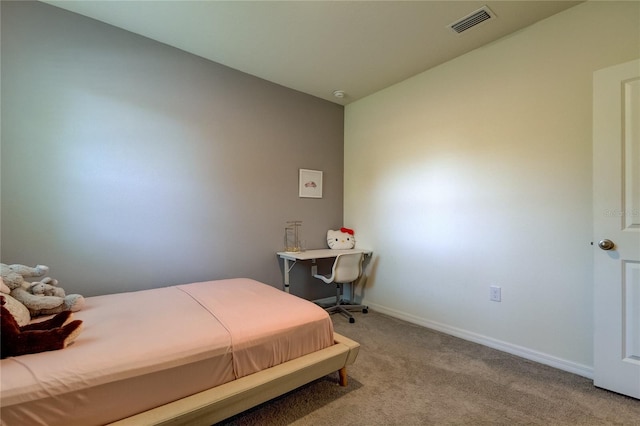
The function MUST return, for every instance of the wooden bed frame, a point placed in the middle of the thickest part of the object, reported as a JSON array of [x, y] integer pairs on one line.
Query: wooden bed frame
[[216, 404]]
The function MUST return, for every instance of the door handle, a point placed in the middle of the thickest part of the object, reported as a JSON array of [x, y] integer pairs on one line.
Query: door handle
[[606, 244]]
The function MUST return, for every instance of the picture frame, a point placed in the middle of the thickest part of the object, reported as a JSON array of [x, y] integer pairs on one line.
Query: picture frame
[[310, 183]]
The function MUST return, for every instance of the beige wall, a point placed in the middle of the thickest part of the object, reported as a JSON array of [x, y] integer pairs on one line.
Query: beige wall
[[128, 164], [478, 172]]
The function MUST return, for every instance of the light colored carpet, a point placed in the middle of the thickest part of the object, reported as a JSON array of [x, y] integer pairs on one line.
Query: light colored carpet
[[409, 375]]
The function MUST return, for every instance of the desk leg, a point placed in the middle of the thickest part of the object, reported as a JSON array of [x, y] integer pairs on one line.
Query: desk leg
[[287, 268]]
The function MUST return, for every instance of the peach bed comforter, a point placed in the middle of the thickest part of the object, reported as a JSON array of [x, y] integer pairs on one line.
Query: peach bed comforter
[[143, 349]]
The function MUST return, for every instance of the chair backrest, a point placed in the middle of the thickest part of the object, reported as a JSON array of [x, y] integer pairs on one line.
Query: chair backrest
[[347, 267]]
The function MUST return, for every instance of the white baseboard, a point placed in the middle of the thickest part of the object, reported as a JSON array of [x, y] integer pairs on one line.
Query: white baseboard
[[530, 354]]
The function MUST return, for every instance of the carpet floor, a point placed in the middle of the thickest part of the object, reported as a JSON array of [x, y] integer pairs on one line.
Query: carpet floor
[[409, 375]]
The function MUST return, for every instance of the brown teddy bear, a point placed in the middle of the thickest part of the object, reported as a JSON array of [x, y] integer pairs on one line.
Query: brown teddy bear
[[55, 333]]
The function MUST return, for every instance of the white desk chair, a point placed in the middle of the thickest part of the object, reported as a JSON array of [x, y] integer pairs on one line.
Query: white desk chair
[[347, 268]]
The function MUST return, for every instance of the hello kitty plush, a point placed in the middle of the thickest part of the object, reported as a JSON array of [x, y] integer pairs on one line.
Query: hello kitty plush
[[341, 239]]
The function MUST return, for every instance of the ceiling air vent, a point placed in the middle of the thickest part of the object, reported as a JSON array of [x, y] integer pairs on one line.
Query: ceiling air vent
[[473, 19]]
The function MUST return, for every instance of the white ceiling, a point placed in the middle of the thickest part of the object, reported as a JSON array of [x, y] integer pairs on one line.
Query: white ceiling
[[317, 47]]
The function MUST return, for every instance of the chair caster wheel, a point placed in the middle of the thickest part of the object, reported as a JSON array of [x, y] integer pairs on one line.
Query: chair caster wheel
[[352, 320], [365, 311]]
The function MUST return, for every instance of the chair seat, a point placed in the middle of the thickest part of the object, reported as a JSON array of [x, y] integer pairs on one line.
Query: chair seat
[[347, 268]]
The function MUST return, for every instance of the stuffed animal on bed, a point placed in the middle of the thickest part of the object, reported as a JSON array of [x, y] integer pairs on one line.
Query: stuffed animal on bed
[[17, 309], [47, 287], [14, 277], [49, 335], [341, 239]]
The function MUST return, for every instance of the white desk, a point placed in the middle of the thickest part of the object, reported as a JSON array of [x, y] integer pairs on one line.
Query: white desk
[[290, 259]]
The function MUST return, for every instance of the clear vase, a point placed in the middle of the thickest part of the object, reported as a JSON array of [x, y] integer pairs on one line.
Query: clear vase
[[292, 236]]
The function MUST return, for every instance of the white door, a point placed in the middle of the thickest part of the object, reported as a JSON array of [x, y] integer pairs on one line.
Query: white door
[[616, 197]]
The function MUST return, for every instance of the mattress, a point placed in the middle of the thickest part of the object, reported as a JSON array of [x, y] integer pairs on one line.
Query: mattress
[[142, 349]]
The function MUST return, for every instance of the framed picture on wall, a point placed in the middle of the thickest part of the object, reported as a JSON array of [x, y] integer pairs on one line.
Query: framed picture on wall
[[310, 183]]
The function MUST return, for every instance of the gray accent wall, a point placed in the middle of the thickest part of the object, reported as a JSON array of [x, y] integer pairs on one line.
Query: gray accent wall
[[127, 164]]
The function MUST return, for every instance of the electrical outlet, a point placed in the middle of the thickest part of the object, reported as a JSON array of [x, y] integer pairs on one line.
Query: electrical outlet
[[495, 293]]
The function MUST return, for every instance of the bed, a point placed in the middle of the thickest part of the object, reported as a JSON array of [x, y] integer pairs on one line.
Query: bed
[[188, 354]]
